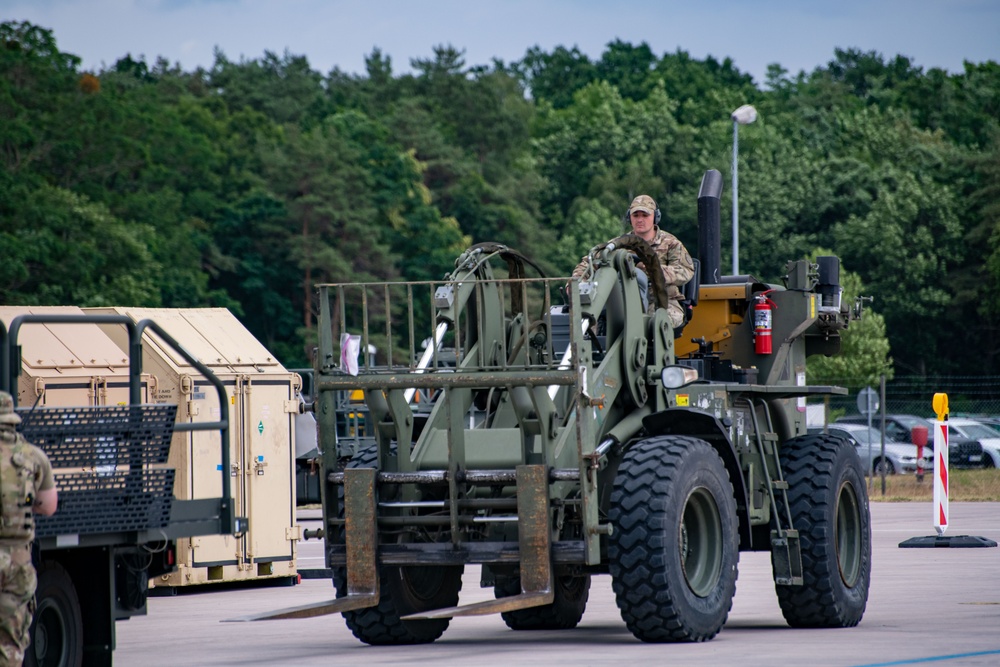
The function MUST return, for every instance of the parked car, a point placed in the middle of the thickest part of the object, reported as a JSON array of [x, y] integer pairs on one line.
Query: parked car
[[962, 452], [966, 453], [992, 422], [964, 428], [897, 427], [900, 457]]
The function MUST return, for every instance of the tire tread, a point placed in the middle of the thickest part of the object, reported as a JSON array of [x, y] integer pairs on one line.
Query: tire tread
[[812, 465], [637, 550]]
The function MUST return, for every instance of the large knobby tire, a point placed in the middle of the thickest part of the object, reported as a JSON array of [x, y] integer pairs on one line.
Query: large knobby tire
[[564, 613], [403, 591], [57, 627], [674, 548], [829, 508]]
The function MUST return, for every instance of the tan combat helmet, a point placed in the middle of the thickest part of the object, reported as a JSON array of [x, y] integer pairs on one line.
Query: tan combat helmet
[[7, 414]]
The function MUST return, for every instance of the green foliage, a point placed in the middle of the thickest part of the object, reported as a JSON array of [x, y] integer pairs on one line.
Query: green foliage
[[246, 185], [283, 88], [910, 235], [589, 223], [783, 189], [982, 282], [595, 143], [627, 67], [864, 356], [706, 90], [555, 77], [261, 276], [61, 249]]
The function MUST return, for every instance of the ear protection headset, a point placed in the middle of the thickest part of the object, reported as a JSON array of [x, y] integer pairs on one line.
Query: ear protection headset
[[627, 218]]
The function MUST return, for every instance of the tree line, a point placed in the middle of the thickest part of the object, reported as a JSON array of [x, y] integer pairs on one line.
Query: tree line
[[245, 184]]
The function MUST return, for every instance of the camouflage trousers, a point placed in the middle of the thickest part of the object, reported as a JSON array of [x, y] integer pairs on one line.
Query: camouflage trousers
[[674, 310], [17, 602]]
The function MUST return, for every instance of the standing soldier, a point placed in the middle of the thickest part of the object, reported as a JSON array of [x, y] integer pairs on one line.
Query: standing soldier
[[26, 487]]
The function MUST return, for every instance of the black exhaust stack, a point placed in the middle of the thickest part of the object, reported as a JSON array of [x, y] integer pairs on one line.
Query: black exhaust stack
[[709, 242], [828, 285]]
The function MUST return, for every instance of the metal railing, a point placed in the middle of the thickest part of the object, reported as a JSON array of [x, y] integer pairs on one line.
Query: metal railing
[[422, 327], [200, 511]]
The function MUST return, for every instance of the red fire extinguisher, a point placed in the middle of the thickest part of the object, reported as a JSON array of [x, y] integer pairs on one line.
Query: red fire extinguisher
[[762, 322]]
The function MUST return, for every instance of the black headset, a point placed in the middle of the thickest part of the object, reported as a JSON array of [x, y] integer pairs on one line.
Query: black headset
[[627, 218]]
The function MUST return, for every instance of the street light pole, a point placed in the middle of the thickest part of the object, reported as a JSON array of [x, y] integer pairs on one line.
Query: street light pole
[[736, 197], [745, 115]]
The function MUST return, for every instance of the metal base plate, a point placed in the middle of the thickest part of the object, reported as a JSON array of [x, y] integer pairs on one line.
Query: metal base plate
[[946, 541]]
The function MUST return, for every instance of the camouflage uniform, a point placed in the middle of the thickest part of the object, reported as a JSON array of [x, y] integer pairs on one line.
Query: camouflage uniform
[[24, 470], [678, 269]]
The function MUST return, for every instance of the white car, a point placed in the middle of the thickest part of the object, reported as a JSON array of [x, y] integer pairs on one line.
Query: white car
[[970, 429], [900, 457]]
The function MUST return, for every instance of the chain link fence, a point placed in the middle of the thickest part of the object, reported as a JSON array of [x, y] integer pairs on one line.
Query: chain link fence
[[968, 396]]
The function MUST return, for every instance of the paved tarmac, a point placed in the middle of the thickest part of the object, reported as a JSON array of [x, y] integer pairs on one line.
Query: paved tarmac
[[938, 606]]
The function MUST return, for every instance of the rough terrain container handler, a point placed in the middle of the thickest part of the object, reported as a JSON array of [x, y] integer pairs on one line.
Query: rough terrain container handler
[[570, 440]]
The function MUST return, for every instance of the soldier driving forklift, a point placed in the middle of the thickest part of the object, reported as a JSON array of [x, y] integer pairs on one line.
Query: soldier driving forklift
[[621, 450]]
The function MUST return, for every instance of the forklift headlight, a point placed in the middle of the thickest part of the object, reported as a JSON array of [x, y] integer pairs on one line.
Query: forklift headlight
[[675, 377]]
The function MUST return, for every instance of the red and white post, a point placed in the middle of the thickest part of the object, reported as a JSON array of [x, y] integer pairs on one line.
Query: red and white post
[[941, 463]]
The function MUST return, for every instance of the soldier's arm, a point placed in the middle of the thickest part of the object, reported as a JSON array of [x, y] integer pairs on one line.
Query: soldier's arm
[[46, 493], [46, 502], [578, 272], [678, 267]]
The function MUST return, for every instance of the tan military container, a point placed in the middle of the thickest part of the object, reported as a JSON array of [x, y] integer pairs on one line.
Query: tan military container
[[262, 397], [68, 365]]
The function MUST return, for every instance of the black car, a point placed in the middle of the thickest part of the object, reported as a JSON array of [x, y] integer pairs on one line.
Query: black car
[[966, 453]]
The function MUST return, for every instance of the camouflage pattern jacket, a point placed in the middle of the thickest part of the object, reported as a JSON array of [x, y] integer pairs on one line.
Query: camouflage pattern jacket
[[677, 265], [24, 470]]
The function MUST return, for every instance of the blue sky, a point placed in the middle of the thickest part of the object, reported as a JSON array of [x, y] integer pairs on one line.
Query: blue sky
[[799, 35]]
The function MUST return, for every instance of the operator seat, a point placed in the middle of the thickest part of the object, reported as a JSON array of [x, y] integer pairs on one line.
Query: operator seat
[[689, 297]]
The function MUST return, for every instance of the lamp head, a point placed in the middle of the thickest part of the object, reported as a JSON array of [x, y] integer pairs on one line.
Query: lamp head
[[745, 115]]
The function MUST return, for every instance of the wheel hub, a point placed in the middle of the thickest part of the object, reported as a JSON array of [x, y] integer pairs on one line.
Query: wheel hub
[[49, 636], [701, 542], [848, 538]]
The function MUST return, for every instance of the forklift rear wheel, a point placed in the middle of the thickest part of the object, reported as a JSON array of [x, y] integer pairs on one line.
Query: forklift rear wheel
[[828, 502], [404, 590], [564, 613]]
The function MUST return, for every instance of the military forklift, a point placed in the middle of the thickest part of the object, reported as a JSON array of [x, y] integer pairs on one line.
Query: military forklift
[[581, 436]]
